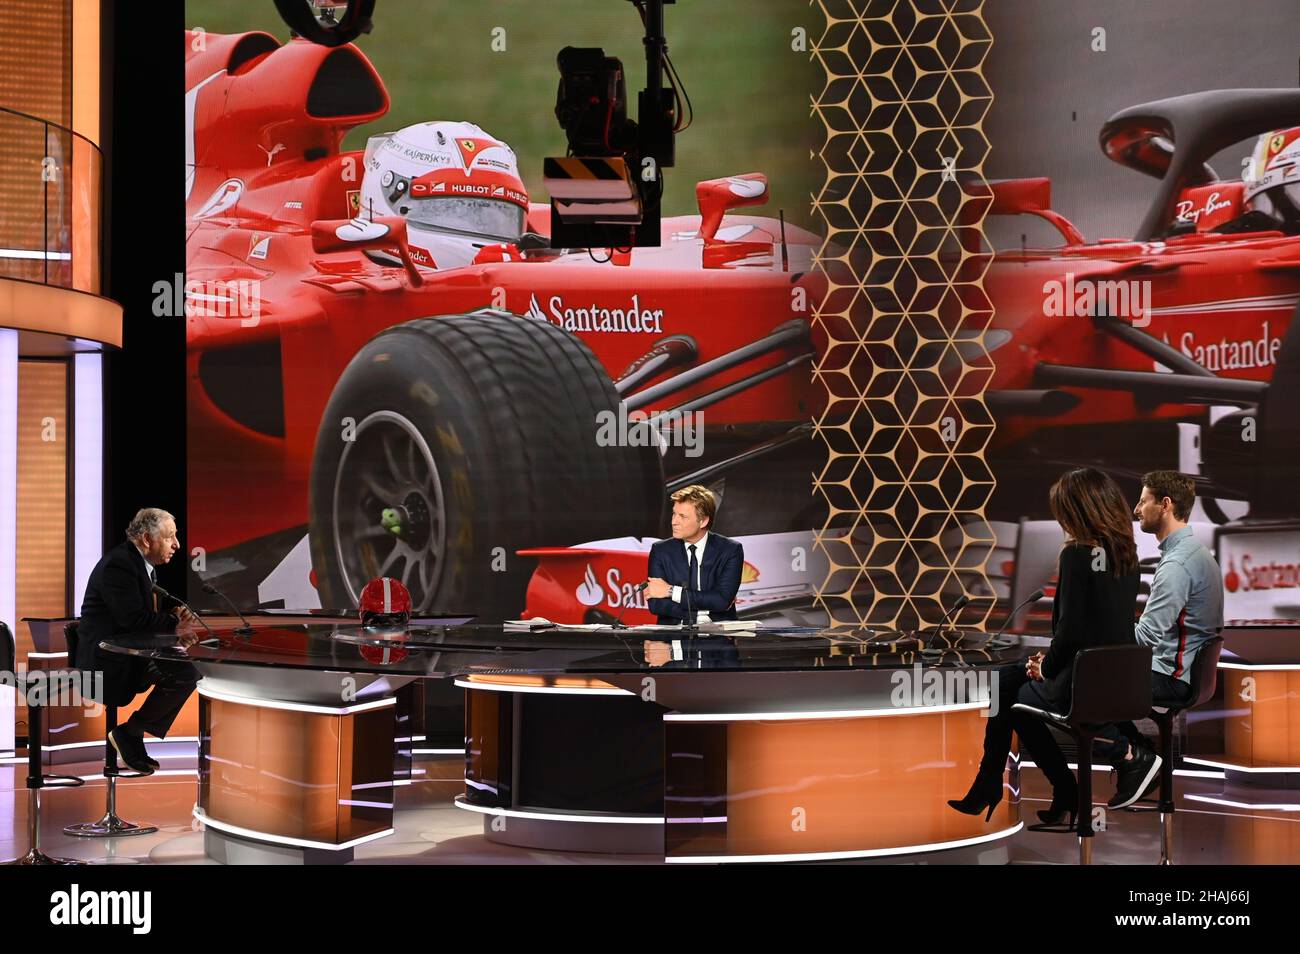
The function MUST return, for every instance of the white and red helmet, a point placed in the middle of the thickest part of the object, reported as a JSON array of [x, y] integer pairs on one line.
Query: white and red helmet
[[385, 604], [1272, 178], [457, 187]]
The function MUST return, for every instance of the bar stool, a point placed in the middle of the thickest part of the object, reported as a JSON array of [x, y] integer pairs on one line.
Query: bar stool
[[1109, 684], [37, 779], [1204, 678], [110, 825]]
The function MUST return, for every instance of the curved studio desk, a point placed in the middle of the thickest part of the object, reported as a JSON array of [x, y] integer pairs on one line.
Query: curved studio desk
[[788, 744], [1254, 738]]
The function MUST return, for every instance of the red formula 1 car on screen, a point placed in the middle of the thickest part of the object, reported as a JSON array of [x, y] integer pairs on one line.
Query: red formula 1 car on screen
[[374, 390], [1177, 347], [362, 403]]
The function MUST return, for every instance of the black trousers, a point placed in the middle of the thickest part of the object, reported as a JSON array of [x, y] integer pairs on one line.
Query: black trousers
[[1014, 685], [1166, 691], [170, 685]]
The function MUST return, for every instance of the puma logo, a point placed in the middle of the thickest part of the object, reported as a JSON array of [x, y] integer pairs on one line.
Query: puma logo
[[270, 153]]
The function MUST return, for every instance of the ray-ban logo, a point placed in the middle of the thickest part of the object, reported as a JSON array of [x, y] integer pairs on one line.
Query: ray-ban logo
[[77, 907]]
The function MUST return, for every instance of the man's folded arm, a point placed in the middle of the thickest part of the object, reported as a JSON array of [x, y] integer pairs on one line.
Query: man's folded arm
[[720, 598], [662, 606]]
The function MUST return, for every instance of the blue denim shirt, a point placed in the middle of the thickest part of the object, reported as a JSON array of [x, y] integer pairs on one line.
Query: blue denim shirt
[[1185, 608]]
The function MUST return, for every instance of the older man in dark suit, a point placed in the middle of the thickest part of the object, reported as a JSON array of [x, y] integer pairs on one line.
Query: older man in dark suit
[[120, 607]]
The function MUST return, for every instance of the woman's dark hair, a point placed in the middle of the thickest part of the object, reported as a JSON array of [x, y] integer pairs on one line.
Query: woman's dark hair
[[1091, 509]]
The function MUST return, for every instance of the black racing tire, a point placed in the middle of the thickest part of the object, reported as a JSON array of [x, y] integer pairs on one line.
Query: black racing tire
[[479, 434]]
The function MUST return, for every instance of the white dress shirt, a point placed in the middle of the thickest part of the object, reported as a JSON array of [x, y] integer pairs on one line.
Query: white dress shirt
[[147, 565], [699, 564]]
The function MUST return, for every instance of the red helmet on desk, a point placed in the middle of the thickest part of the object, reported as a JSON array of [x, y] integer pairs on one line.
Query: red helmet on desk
[[385, 604]]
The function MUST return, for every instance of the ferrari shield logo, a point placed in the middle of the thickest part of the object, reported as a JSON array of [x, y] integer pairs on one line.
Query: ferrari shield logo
[[469, 148], [354, 202], [1275, 144]]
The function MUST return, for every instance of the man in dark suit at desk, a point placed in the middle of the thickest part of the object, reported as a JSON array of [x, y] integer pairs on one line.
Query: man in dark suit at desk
[[119, 607], [697, 569]]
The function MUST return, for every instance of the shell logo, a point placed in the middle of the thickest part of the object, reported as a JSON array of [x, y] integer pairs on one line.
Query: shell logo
[[748, 573]]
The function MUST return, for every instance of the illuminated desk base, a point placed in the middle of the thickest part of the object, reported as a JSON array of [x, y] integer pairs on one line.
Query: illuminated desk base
[[584, 765], [295, 776]]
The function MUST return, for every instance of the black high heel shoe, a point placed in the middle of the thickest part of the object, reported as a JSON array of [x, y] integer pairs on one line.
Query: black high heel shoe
[[984, 794], [1064, 802]]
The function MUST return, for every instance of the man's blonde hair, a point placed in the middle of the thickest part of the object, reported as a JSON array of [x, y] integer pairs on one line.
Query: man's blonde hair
[[705, 500]]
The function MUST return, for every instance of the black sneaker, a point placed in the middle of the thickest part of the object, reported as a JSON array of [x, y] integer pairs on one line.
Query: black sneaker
[[1134, 776], [1152, 792], [131, 751]]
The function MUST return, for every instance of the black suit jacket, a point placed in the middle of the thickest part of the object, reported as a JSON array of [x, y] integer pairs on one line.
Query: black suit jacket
[[719, 578], [118, 605], [1092, 607]]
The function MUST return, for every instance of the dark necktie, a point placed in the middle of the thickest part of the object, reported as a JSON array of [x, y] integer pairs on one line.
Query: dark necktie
[[694, 577]]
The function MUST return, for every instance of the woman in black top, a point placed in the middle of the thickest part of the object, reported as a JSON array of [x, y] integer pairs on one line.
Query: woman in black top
[[1096, 597]]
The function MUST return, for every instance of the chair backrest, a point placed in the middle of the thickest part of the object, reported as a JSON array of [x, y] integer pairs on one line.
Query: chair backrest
[[70, 636], [1205, 671], [1038, 548], [8, 649], [1111, 684]]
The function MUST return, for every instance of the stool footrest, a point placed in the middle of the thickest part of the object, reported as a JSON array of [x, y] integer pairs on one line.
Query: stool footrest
[[37, 857], [110, 826]]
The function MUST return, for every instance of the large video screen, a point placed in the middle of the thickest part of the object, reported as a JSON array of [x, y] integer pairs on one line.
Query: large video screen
[[498, 420], [495, 421]]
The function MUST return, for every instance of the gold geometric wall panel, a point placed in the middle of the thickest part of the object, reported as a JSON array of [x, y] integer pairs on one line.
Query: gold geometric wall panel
[[904, 367]]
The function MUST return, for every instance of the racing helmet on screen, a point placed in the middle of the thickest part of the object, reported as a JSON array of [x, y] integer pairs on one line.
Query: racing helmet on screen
[[1272, 178], [385, 604], [457, 187]]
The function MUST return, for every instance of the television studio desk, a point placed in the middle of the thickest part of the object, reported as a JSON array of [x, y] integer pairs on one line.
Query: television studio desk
[[788, 744]]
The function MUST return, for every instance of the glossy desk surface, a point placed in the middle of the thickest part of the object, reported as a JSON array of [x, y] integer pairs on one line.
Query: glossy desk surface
[[436, 649]]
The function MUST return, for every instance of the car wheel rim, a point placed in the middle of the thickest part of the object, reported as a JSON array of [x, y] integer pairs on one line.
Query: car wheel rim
[[388, 513]]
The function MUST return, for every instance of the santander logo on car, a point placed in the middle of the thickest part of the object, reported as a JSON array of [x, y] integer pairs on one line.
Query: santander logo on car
[[616, 594], [632, 319]]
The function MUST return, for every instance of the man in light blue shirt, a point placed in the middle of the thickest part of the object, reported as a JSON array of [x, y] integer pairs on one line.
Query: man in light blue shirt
[[1184, 611], [1185, 608]]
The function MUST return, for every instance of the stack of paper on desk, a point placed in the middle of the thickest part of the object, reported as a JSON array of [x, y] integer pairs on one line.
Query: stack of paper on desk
[[730, 626]]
